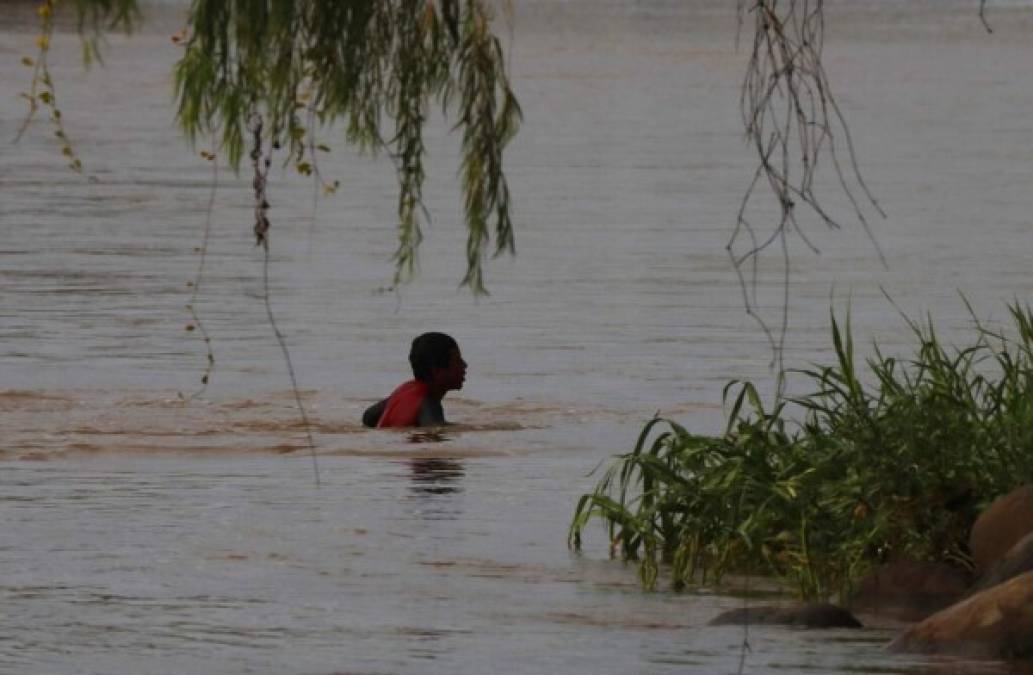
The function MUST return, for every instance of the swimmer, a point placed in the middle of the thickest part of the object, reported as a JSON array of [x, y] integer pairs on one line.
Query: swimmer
[[438, 368]]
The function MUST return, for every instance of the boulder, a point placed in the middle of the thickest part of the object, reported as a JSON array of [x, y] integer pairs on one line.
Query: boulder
[[1001, 526], [909, 590], [996, 623], [1017, 560], [804, 615]]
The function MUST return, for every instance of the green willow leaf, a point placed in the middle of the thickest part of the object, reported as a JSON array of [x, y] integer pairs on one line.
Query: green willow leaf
[[370, 63]]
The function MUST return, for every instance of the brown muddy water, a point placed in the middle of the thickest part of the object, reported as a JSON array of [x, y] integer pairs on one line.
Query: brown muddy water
[[143, 534]]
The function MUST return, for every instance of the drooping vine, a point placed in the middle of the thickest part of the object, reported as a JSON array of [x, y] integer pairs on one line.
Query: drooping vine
[[195, 284], [982, 16], [260, 163], [793, 122], [92, 17], [320, 185], [42, 90]]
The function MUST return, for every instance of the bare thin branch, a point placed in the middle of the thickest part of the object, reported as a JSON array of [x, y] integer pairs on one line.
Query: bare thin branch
[[982, 16], [791, 120]]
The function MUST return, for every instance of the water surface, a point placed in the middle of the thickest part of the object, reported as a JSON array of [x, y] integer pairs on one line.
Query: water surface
[[145, 534]]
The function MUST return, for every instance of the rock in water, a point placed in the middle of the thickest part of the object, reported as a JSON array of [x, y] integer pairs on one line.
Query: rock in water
[[1001, 526], [910, 590], [1017, 560], [996, 623], [806, 615]]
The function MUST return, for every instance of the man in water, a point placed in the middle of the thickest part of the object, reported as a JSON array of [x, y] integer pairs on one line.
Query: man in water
[[438, 368]]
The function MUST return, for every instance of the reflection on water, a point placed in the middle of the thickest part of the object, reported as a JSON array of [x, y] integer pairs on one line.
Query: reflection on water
[[435, 488], [435, 476], [428, 436]]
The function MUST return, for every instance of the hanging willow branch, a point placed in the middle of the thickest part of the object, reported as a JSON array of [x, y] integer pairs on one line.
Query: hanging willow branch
[[982, 16], [199, 279], [260, 164], [793, 122], [376, 65], [92, 18]]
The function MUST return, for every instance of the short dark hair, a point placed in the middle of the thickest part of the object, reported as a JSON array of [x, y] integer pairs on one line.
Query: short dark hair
[[430, 350]]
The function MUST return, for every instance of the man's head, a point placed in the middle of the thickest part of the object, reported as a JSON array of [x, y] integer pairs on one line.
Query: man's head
[[436, 360]]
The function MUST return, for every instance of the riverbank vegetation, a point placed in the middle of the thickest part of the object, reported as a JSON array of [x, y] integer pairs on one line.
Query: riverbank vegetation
[[892, 460]]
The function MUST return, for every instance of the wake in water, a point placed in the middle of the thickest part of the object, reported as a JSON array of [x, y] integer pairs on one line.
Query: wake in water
[[48, 424]]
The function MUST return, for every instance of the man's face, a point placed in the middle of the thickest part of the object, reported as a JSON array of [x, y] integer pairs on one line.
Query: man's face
[[452, 375]]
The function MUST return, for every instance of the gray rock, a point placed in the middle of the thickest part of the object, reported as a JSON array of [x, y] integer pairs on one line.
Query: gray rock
[[806, 615]]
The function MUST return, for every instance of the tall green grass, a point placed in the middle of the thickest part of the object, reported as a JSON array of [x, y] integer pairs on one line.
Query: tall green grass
[[897, 467]]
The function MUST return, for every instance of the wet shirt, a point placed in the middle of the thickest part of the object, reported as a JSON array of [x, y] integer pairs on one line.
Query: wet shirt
[[404, 405]]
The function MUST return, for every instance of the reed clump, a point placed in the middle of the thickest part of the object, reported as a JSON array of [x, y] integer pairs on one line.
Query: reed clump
[[895, 464]]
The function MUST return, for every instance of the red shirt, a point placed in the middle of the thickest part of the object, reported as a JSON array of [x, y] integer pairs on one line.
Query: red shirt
[[403, 406]]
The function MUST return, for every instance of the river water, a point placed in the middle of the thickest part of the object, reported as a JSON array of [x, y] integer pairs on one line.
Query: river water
[[145, 534]]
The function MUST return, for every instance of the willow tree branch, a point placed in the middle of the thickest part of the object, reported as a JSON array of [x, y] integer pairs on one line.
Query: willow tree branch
[[375, 64], [792, 121], [982, 16]]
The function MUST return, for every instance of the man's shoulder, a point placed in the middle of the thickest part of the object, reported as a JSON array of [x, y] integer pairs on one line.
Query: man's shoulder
[[411, 388]]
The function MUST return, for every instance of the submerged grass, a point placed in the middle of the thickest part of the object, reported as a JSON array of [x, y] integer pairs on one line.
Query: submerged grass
[[897, 468]]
